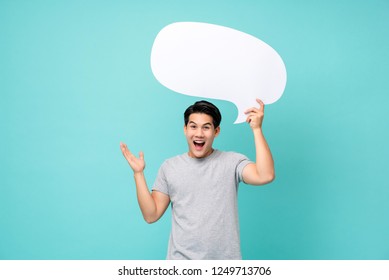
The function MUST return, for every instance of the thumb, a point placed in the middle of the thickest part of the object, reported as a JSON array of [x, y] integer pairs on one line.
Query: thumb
[[141, 155]]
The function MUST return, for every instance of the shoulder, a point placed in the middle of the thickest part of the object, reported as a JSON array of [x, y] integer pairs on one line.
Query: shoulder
[[175, 160], [232, 159], [230, 155]]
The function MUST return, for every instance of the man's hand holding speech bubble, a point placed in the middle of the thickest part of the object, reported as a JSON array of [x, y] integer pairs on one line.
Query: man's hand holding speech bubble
[[255, 115]]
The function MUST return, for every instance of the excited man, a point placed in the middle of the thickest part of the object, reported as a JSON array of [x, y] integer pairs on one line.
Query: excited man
[[202, 186]]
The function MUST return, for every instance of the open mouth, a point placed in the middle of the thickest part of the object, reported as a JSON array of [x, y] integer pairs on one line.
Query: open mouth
[[199, 144]]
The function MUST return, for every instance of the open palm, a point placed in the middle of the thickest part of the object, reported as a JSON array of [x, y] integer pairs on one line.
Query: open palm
[[137, 164]]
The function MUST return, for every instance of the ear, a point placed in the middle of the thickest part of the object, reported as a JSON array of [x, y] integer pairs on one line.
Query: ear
[[185, 128], [217, 131]]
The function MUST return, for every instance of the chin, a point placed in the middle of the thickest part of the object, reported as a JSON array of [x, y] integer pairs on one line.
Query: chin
[[197, 155]]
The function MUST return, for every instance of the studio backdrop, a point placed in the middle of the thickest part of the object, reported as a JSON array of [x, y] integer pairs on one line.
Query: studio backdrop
[[76, 80]]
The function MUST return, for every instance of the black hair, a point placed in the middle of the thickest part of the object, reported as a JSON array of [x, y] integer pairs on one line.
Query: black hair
[[204, 107]]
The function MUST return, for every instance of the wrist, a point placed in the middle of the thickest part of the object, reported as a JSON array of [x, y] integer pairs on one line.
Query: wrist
[[257, 129], [138, 173]]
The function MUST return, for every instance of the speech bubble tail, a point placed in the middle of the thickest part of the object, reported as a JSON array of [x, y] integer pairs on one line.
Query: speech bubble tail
[[242, 105], [240, 119]]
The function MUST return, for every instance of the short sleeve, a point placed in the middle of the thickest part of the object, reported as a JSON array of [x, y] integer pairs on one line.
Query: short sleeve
[[242, 162], [160, 183]]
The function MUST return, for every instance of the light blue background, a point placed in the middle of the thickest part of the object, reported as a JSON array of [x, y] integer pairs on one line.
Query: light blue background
[[75, 80]]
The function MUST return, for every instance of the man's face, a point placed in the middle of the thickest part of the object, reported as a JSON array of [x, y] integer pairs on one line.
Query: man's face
[[200, 134]]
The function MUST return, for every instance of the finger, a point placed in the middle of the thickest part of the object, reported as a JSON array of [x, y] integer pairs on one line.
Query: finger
[[127, 153], [252, 117], [251, 110], [141, 155], [262, 105], [123, 147]]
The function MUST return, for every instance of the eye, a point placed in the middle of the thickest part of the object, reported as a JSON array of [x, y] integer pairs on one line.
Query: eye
[[207, 127], [192, 126]]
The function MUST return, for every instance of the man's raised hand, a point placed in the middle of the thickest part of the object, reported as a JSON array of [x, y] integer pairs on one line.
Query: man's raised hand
[[255, 115], [137, 164]]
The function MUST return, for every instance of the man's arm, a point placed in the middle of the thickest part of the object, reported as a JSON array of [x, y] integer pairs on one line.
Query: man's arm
[[262, 171], [152, 205]]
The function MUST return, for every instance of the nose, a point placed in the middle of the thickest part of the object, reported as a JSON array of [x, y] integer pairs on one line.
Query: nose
[[199, 132]]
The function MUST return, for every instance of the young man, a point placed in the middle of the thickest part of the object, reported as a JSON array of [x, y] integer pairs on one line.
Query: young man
[[202, 185]]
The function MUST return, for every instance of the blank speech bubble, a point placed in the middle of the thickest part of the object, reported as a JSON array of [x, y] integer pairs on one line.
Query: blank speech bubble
[[213, 61]]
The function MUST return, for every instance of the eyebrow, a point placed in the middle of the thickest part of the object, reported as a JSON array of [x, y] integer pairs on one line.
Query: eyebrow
[[192, 122]]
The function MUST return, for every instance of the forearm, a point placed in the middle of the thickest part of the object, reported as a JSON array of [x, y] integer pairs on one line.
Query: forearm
[[264, 160], [145, 200]]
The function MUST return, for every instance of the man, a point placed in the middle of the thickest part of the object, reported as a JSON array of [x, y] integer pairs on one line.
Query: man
[[202, 186]]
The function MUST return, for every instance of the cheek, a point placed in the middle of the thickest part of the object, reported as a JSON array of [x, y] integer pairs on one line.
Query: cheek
[[210, 136], [188, 136]]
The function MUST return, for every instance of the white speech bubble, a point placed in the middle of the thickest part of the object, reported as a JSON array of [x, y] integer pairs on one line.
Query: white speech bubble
[[213, 61]]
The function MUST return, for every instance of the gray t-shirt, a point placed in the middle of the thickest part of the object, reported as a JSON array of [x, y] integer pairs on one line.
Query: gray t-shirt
[[203, 195]]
